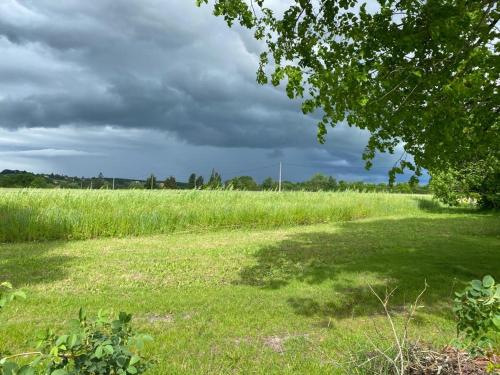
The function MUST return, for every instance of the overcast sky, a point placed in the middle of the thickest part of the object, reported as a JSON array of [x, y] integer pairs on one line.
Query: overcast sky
[[130, 87]]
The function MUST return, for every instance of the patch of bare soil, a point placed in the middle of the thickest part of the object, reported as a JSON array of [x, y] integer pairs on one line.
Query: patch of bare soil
[[156, 318], [277, 343]]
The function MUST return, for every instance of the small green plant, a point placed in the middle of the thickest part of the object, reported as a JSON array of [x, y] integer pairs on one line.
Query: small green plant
[[101, 346], [477, 309], [7, 294]]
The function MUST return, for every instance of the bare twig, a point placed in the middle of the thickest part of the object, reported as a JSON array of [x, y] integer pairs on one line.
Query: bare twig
[[27, 354], [400, 356]]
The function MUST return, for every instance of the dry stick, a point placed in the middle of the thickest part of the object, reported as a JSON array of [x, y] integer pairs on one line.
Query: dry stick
[[400, 349], [21, 355], [412, 311], [377, 349]]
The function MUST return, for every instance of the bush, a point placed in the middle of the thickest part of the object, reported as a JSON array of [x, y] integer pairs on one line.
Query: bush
[[93, 347], [477, 309], [478, 181]]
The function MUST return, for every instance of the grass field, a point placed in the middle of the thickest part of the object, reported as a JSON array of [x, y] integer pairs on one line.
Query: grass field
[[32, 214], [270, 297]]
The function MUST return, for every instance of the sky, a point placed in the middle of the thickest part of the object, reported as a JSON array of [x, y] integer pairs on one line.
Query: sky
[[133, 87]]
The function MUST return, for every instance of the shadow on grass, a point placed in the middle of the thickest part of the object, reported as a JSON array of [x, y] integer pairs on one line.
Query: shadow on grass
[[29, 263], [433, 206], [402, 253]]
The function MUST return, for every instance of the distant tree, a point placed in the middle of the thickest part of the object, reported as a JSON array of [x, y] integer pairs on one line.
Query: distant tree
[[136, 185], [98, 182], [215, 180], [343, 186], [199, 182], [192, 181], [170, 183], [320, 182], [269, 184], [151, 182], [39, 182], [242, 183], [402, 187]]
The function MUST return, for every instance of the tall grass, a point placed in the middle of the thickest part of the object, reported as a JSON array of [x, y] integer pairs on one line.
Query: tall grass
[[31, 214]]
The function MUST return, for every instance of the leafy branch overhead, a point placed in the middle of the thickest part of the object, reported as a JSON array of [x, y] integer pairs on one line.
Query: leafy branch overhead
[[419, 73]]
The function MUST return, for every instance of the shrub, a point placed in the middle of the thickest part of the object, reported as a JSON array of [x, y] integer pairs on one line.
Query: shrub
[[93, 347], [477, 309], [478, 181]]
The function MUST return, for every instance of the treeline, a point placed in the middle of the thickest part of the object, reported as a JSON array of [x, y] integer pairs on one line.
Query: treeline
[[318, 182]]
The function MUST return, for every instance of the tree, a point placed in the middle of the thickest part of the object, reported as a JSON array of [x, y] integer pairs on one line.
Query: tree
[[269, 184], [421, 74], [170, 183], [215, 180], [242, 183], [199, 182], [192, 181], [320, 182], [151, 182], [474, 181], [98, 182]]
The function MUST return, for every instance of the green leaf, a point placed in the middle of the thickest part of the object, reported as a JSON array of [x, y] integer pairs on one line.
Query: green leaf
[[73, 339], [81, 314], [131, 370], [496, 321], [61, 340], [26, 370], [59, 372], [98, 352], [488, 281], [108, 349], [476, 284], [134, 360], [9, 368]]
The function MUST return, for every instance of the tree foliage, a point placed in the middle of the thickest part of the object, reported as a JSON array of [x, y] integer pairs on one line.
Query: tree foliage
[[192, 181], [215, 181], [242, 183], [199, 182], [478, 181], [151, 182], [423, 74], [170, 183]]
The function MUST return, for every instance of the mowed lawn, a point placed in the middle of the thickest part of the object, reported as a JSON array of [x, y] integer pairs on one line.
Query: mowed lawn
[[289, 300]]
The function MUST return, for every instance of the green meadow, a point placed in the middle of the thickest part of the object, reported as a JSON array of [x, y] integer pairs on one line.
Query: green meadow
[[36, 214], [241, 282]]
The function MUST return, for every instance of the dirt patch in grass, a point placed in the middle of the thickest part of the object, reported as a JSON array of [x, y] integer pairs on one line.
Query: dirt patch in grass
[[160, 318]]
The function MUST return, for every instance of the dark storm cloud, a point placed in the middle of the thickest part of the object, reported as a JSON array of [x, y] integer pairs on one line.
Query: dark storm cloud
[[124, 84], [148, 64]]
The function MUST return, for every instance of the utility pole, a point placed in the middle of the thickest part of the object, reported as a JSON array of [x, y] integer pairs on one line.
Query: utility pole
[[279, 183], [90, 184], [113, 183], [151, 181]]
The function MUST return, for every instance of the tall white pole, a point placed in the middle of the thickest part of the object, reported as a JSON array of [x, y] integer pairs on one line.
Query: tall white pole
[[279, 183], [113, 183]]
